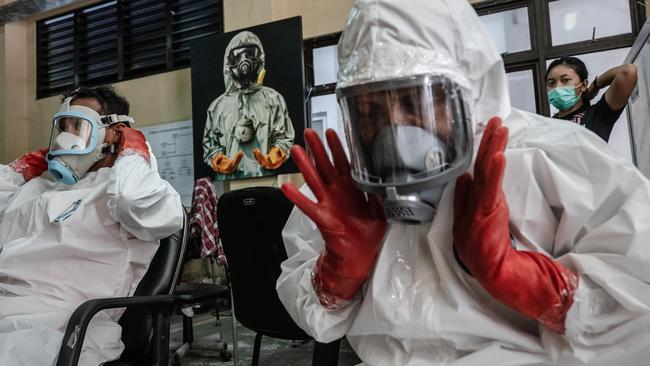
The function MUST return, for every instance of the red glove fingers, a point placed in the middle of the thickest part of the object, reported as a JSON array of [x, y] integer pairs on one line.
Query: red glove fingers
[[30, 165], [531, 283], [312, 179], [338, 154], [351, 225]]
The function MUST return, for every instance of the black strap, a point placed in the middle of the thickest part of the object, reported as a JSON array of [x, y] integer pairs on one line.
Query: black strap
[[460, 261]]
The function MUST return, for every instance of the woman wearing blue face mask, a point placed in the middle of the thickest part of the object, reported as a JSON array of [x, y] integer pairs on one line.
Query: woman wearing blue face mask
[[569, 91]]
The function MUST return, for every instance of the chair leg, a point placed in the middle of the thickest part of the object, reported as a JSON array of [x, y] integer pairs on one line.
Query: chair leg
[[161, 321], [188, 331], [188, 338], [326, 354], [256, 349], [235, 343]]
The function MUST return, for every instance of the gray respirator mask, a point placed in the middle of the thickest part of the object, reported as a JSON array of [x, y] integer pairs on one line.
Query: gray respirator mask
[[408, 138], [244, 63]]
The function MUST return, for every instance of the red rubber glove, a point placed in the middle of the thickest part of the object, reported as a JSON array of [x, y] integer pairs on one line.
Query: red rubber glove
[[352, 226], [133, 142], [30, 165], [531, 283]]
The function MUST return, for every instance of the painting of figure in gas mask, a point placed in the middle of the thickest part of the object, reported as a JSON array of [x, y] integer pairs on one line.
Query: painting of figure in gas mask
[[247, 89]]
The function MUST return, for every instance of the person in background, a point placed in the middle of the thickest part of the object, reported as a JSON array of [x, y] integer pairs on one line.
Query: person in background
[[89, 234], [569, 91]]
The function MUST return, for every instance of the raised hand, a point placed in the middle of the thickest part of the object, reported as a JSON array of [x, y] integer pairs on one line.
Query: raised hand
[[531, 283], [351, 223]]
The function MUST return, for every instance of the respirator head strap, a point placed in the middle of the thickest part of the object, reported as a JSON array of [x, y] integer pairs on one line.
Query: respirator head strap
[[111, 119], [110, 149]]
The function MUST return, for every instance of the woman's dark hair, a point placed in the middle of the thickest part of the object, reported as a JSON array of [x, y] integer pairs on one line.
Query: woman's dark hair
[[110, 100], [572, 62]]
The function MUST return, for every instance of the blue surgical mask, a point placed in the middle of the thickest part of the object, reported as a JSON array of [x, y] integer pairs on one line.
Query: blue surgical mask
[[563, 97]]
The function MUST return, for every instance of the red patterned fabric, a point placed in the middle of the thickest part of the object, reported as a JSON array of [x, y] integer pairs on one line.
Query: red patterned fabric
[[203, 219]]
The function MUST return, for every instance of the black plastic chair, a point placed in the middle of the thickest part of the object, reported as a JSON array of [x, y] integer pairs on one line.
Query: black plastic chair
[[146, 320], [250, 227]]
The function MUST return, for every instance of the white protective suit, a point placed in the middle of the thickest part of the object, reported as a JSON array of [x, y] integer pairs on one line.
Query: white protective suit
[[570, 197], [103, 249]]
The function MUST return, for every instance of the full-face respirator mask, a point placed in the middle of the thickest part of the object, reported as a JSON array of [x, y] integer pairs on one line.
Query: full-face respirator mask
[[408, 138], [77, 141], [245, 63]]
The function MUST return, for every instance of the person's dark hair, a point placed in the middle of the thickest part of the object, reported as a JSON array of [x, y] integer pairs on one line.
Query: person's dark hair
[[108, 98], [572, 62]]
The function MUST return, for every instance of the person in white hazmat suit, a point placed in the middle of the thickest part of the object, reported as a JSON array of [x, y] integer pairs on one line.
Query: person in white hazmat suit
[[90, 234], [537, 255]]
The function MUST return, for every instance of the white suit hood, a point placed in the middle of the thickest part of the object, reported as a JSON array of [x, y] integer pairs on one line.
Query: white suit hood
[[241, 39], [388, 39]]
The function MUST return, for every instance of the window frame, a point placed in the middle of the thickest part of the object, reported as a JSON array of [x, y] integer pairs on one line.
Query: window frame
[[542, 48], [535, 58], [525, 66], [309, 45], [123, 74], [311, 90]]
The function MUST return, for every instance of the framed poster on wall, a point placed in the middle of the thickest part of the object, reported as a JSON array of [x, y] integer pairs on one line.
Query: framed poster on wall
[[248, 101]]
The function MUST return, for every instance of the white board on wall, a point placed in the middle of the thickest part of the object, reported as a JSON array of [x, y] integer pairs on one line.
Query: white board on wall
[[172, 145]]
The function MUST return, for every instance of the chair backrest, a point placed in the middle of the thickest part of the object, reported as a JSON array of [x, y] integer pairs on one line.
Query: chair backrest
[[250, 226], [166, 266], [161, 277]]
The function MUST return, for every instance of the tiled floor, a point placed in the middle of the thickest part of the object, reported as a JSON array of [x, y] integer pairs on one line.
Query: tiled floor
[[274, 352]]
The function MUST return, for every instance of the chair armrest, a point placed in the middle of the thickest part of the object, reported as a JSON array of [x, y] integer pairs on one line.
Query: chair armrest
[[78, 323], [192, 293]]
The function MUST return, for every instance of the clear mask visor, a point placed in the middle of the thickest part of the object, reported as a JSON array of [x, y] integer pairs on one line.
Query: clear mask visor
[[71, 133], [249, 52], [406, 131]]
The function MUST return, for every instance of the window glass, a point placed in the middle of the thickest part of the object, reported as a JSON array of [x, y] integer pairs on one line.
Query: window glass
[[326, 65], [521, 87], [98, 61], [620, 137], [325, 113], [580, 20], [640, 110], [55, 63], [508, 30], [91, 32]]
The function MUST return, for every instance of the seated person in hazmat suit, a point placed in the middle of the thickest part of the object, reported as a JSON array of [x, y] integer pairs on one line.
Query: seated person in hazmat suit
[[90, 234], [248, 131], [522, 241]]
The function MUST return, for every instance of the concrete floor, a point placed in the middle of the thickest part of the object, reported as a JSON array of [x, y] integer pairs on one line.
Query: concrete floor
[[274, 352]]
